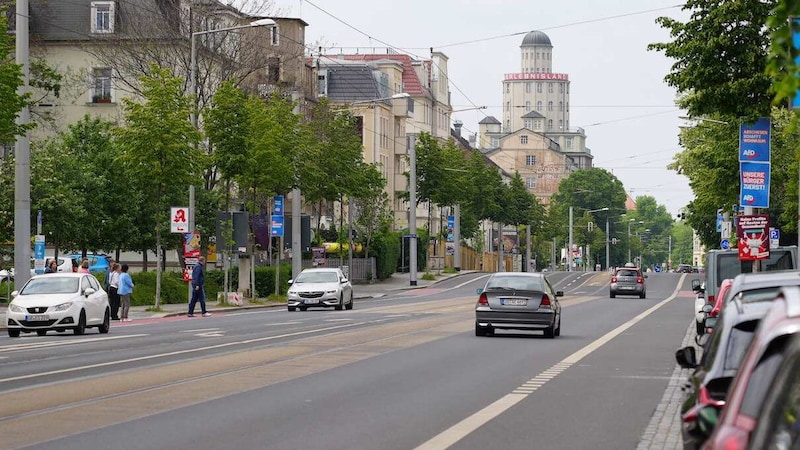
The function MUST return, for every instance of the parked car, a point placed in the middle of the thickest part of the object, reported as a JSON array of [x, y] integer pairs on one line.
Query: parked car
[[64, 263], [732, 430], [779, 424], [60, 302], [722, 264], [628, 280], [323, 287], [722, 354], [518, 301], [98, 262]]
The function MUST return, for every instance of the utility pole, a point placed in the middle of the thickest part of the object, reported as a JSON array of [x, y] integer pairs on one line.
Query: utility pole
[[22, 158], [569, 249], [412, 217]]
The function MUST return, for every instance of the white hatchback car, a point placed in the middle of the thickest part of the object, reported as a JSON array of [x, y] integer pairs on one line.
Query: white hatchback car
[[324, 287], [60, 302]]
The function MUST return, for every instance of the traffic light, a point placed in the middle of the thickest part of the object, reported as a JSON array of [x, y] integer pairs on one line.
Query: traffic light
[[590, 226]]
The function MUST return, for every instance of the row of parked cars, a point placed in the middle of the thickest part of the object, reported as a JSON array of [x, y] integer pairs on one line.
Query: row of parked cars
[[744, 391]]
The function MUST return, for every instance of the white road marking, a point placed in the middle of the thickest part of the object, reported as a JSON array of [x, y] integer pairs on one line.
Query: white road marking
[[283, 323], [199, 330], [462, 429], [46, 344], [181, 352], [338, 320]]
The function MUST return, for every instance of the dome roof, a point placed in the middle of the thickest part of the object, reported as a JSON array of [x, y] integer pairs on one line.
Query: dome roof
[[536, 38]]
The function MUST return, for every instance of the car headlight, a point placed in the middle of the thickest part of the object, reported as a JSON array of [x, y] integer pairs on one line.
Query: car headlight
[[62, 307], [333, 291], [16, 308]]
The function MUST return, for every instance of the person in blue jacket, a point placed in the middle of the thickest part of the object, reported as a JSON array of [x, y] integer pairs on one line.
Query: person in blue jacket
[[125, 290], [198, 289]]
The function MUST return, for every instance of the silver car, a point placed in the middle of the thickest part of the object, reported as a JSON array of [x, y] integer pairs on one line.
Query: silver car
[[518, 301], [628, 280], [320, 287]]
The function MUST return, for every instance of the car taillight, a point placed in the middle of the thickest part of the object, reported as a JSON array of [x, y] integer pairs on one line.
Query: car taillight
[[736, 440], [545, 300], [613, 279], [639, 280], [483, 300], [710, 299]]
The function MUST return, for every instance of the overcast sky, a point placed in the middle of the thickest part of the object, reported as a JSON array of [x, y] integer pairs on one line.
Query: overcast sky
[[617, 92]]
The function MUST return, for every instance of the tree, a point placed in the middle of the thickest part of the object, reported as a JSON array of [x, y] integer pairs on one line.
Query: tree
[[226, 125], [10, 81], [159, 147], [720, 58]]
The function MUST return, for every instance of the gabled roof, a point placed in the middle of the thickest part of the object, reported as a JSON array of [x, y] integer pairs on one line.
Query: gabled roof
[[533, 115], [411, 82], [489, 120], [352, 83]]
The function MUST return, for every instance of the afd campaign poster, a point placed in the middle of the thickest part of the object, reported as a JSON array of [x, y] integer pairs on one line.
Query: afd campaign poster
[[754, 163], [753, 235]]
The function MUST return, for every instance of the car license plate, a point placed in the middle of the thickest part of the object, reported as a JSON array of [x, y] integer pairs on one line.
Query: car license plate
[[513, 301], [38, 318], [310, 301], [626, 288]]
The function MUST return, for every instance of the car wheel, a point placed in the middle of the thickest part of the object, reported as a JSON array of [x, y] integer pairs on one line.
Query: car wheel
[[106, 326], [550, 332], [558, 330], [340, 306], [481, 331], [291, 308], [644, 295], [350, 305], [41, 332], [13, 333], [81, 328]]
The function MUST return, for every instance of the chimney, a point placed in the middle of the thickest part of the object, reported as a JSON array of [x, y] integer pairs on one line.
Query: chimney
[[457, 126]]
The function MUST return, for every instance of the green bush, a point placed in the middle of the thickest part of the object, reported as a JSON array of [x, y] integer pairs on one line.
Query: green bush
[[265, 280], [173, 289], [385, 247]]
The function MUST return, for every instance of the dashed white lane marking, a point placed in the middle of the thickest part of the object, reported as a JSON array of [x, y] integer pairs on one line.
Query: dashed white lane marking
[[46, 344], [460, 430]]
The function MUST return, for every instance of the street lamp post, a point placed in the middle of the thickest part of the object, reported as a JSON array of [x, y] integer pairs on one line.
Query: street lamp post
[[569, 250]]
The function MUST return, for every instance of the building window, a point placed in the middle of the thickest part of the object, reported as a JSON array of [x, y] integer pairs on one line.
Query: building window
[[549, 106], [101, 92], [560, 106], [539, 105], [530, 160], [539, 87], [569, 142], [508, 88], [560, 124], [527, 123], [274, 35], [560, 88], [537, 124], [527, 88], [531, 182], [322, 84], [102, 17], [508, 106], [537, 55], [550, 124], [523, 139], [495, 142], [527, 106], [273, 70], [550, 88], [567, 106]]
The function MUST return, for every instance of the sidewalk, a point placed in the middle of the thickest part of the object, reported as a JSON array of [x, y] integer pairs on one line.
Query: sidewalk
[[397, 282]]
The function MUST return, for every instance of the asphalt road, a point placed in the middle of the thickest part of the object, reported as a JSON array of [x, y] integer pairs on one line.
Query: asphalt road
[[404, 371]]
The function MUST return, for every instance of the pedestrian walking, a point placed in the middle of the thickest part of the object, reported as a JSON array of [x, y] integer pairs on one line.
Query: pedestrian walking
[[124, 290], [52, 266], [198, 289], [113, 290]]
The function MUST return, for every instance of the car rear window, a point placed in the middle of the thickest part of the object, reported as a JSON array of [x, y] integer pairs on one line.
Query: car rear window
[[729, 265], [520, 283], [627, 273], [759, 295]]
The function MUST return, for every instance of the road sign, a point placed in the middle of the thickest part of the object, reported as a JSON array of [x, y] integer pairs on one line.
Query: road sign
[[774, 237], [179, 219], [725, 244], [409, 236]]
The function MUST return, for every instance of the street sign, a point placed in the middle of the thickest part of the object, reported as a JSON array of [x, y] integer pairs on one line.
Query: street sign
[[38, 252], [725, 244], [774, 237], [409, 236], [277, 209], [179, 219], [276, 229]]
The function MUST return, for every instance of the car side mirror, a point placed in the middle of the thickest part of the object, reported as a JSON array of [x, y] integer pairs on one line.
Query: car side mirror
[[707, 308], [645, 275], [88, 291], [696, 285], [707, 420], [14, 293], [686, 357], [479, 291], [290, 282], [559, 293], [710, 322], [343, 281]]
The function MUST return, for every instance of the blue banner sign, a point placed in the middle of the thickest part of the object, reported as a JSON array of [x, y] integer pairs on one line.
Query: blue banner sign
[[754, 186], [276, 226], [754, 141], [277, 209]]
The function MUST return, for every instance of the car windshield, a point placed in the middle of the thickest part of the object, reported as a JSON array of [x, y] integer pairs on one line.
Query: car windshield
[[317, 277], [515, 283], [50, 285]]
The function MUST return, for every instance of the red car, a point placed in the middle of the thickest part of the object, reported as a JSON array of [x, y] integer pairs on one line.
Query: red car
[[720, 300], [732, 430]]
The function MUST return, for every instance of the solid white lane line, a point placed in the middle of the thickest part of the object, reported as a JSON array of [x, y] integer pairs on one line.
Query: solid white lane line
[[178, 352], [460, 430], [47, 344]]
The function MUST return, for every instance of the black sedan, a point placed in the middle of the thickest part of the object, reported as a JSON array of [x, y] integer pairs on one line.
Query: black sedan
[[518, 301]]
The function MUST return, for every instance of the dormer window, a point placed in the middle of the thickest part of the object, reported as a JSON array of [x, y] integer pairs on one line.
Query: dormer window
[[102, 19]]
